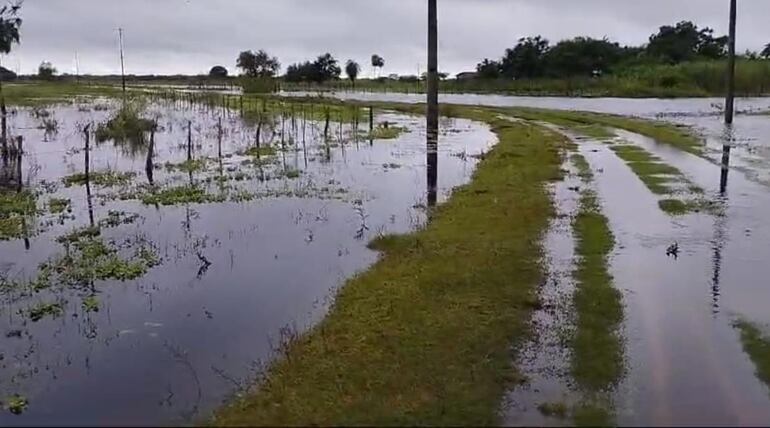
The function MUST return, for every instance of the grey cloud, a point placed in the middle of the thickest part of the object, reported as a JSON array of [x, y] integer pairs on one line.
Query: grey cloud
[[189, 36]]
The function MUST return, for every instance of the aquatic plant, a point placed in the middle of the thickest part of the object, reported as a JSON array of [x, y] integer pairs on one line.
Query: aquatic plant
[[126, 128], [42, 310], [58, 205], [100, 178]]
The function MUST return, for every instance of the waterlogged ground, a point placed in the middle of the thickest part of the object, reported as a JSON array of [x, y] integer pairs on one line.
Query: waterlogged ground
[[149, 295]]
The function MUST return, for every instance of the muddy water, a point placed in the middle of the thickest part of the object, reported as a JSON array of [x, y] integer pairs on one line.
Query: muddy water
[[686, 365], [172, 345]]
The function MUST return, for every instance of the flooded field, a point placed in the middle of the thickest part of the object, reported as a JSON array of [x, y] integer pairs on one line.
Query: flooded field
[[171, 271]]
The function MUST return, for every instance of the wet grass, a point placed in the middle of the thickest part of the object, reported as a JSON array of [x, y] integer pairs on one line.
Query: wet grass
[[100, 178], [58, 206], [589, 415], [187, 194], [569, 120], [584, 169], [126, 128], [597, 348], [46, 93], [663, 132], [193, 165], [554, 410], [757, 345], [262, 151], [425, 335], [14, 208], [664, 179]]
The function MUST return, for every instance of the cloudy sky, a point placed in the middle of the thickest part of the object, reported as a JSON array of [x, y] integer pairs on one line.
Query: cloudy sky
[[189, 36]]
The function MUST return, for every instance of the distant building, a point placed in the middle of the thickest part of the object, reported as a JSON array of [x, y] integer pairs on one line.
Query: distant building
[[6, 74], [468, 75]]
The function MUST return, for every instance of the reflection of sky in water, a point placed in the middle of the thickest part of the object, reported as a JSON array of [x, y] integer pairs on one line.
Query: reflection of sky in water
[[172, 345]]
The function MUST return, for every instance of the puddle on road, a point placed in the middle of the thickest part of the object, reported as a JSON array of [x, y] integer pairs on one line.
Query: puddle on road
[[234, 276], [686, 362]]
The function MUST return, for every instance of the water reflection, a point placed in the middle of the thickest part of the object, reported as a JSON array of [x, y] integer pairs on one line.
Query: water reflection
[[726, 147], [718, 245]]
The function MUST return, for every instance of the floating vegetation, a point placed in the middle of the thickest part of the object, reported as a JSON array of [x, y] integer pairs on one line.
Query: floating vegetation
[[757, 346], [90, 304], [100, 178], [192, 165], [385, 132], [126, 124], [42, 310], [261, 151], [118, 218], [187, 194], [58, 206], [14, 208], [126, 129], [16, 404], [556, 410]]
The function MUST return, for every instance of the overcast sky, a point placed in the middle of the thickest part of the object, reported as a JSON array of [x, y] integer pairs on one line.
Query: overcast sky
[[189, 36]]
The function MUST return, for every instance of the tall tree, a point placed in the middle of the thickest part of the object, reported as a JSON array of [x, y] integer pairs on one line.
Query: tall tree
[[526, 59], [352, 69], [582, 56], [488, 69], [378, 63], [685, 41], [326, 68], [46, 71], [258, 64], [765, 52], [10, 23]]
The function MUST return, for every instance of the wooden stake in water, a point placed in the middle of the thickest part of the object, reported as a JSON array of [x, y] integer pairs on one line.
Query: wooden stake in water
[[87, 149], [219, 139], [148, 167], [189, 140], [19, 153]]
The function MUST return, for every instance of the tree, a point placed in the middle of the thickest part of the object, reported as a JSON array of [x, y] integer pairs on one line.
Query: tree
[[218, 71], [378, 62], [526, 59], [326, 68], [322, 69], [489, 69], [684, 42], [46, 71], [765, 52], [352, 69], [582, 56], [10, 22], [258, 64]]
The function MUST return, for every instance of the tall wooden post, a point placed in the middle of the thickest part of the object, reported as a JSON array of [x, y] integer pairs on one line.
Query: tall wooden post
[[730, 102], [432, 113]]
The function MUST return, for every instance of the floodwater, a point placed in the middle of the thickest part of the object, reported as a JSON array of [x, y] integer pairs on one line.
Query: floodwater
[[235, 277], [685, 361]]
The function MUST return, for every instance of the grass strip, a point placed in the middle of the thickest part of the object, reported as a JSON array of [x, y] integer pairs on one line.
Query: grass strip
[[425, 335]]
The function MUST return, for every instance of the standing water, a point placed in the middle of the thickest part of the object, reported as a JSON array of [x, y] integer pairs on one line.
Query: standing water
[[151, 290]]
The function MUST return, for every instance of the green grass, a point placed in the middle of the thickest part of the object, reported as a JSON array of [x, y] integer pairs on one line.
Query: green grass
[[589, 415], [425, 335], [757, 345], [597, 358], [45, 93], [690, 79]]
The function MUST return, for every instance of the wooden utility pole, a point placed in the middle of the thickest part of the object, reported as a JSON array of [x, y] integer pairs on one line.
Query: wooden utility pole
[[730, 102], [122, 62], [432, 113]]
